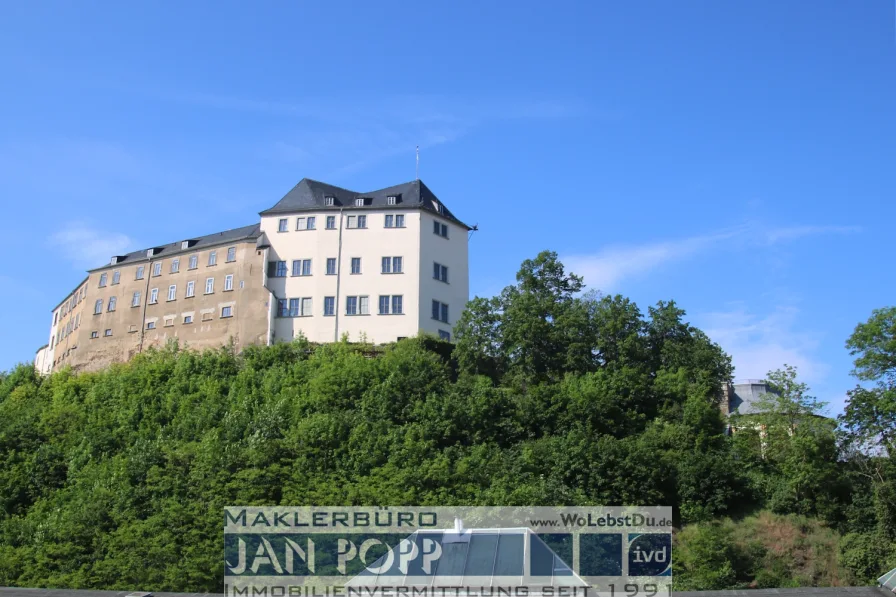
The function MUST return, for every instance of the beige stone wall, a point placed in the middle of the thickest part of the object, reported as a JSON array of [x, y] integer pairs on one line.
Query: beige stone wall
[[68, 320], [197, 322]]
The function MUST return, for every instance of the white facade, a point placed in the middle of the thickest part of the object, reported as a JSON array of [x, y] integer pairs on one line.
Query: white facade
[[358, 277]]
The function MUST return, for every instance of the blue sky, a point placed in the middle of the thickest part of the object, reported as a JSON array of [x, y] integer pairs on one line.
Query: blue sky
[[737, 157]]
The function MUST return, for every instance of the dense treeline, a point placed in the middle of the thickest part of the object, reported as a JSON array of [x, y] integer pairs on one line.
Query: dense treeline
[[117, 479]]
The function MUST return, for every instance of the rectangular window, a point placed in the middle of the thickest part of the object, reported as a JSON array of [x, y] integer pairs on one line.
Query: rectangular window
[[107, 333], [363, 305], [153, 296], [306, 267], [94, 334], [329, 201], [209, 285], [356, 222], [356, 265], [351, 305], [228, 282], [213, 258], [231, 254], [188, 319], [191, 288], [445, 335], [440, 272], [331, 222], [306, 307], [169, 321], [296, 267], [440, 229], [362, 221], [276, 269], [116, 277], [384, 304], [113, 301], [350, 221], [103, 278], [391, 265], [227, 311], [140, 270], [399, 220], [293, 307], [331, 266], [135, 300], [157, 268], [329, 305], [397, 306], [390, 221], [440, 311], [282, 308], [391, 200], [301, 224], [172, 292], [194, 261], [150, 325], [359, 202], [175, 265], [282, 226]]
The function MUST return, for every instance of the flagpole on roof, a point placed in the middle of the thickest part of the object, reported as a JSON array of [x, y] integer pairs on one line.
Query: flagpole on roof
[[418, 162]]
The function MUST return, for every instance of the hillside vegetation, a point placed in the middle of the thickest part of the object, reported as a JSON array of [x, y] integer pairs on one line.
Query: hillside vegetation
[[117, 479]]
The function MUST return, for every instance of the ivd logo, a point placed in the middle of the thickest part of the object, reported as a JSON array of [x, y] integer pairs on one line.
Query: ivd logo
[[649, 554]]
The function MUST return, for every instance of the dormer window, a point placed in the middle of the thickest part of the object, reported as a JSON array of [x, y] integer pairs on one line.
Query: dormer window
[[329, 201], [392, 200], [359, 202]]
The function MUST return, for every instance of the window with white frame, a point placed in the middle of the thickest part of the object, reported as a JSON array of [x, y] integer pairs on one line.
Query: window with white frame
[[157, 268], [98, 307], [329, 201], [191, 288], [140, 271], [116, 277], [391, 265], [103, 279], [135, 300], [194, 261], [440, 311], [172, 292], [113, 301], [390, 305], [391, 200], [308, 223], [175, 265], [228, 282], [227, 311], [356, 222], [329, 305], [356, 265], [276, 269], [301, 267], [359, 202], [331, 222], [153, 296], [212, 258], [440, 272], [356, 305], [283, 225], [209, 285], [331, 266], [107, 332], [231, 254]]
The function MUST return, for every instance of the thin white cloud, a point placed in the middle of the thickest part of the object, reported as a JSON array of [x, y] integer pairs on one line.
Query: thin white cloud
[[88, 247], [607, 268], [761, 343], [794, 232]]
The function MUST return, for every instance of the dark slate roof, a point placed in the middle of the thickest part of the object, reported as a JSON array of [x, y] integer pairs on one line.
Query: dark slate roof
[[311, 195], [745, 395], [801, 592], [251, 232]]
